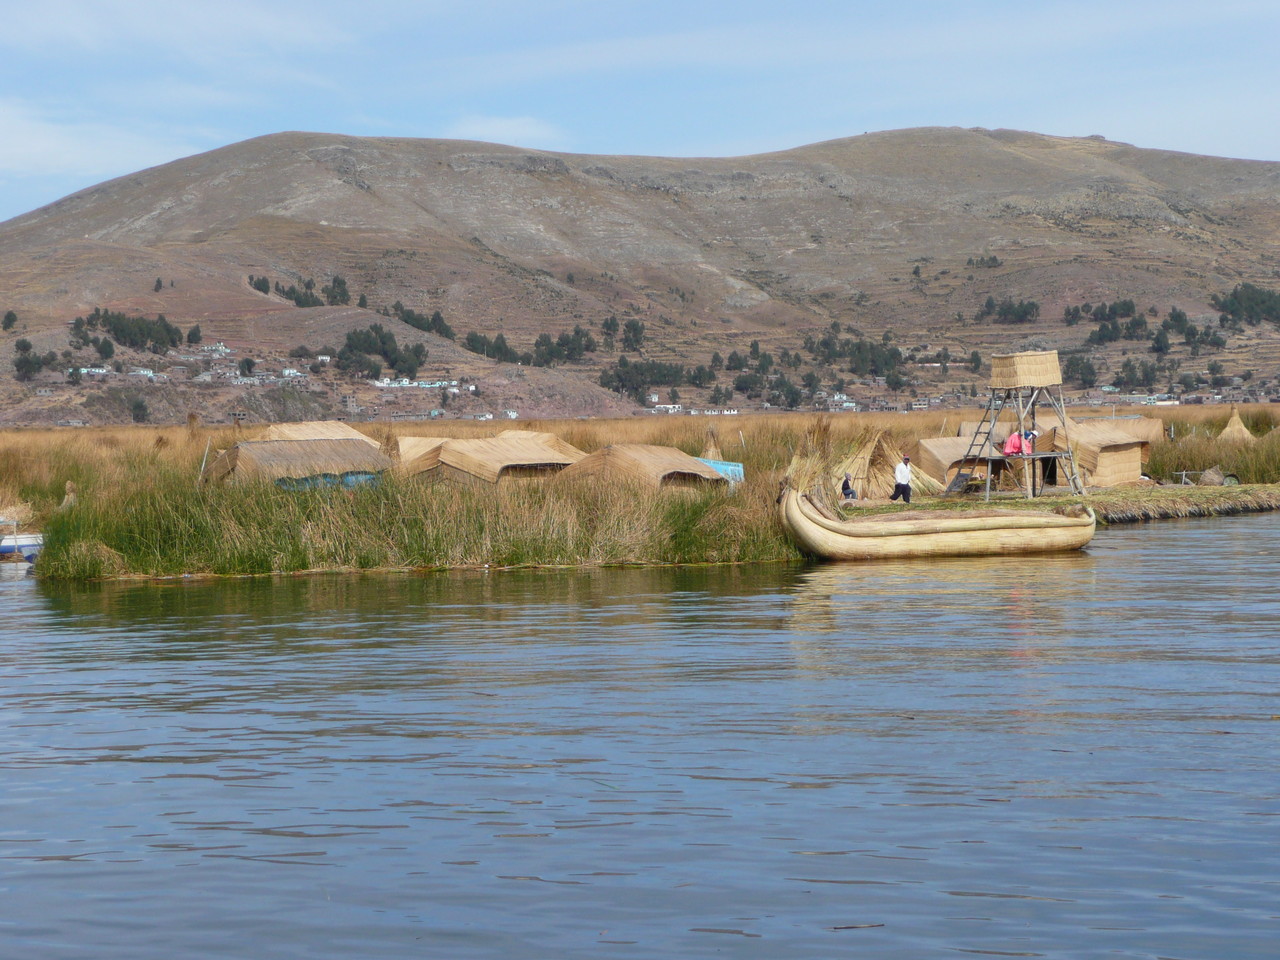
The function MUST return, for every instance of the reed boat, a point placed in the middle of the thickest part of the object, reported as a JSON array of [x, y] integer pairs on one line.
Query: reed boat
[[924, 533]]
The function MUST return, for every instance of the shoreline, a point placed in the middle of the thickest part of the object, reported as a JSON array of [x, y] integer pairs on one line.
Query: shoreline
[[1113, 508]]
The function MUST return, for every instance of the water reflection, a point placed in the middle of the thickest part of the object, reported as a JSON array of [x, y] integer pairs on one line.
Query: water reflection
[[1071, 756], [1021, 596]]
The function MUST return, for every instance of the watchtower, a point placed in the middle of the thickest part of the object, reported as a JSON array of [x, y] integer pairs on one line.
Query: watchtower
[[1021, 382]]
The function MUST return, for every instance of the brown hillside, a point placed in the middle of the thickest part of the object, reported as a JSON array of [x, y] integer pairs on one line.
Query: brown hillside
[[874, 232]]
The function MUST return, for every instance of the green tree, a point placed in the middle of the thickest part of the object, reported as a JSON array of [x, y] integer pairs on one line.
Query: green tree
[[632, 335], [106, 349], [975, 361], [363, 302], [336, 293], [10, 318], [246, 366], [194, 335], [74, 376], [138, 410], [159, 285], [23, 346], [27, 365]]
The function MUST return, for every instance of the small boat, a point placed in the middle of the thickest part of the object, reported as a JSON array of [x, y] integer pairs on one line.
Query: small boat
[[26, 545], [927, 533]]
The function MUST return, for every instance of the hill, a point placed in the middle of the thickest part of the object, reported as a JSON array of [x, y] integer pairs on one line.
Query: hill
[[921, 240]]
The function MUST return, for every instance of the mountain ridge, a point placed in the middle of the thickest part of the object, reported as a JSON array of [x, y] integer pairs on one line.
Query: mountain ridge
[[877, 233]]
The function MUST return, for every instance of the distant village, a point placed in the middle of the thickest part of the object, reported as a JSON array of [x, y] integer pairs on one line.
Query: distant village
[[217, 365]]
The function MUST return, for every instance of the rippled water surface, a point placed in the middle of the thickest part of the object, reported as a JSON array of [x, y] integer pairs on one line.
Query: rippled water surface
[[1064, 757]]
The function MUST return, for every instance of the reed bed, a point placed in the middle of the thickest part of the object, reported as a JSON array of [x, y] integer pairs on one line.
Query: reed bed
[[140, 512], [161, 526], [1257, 462]]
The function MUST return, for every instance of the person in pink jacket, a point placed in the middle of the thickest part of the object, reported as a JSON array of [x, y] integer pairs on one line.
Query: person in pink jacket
[[1019, 443]]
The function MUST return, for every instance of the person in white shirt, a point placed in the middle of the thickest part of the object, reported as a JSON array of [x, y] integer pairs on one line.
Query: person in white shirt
[[902, 481]]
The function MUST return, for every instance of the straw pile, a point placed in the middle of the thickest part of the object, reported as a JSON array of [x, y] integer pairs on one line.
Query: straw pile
[[711, 449], [650, 465], [817, 469], [1235, 431], [15, 511]]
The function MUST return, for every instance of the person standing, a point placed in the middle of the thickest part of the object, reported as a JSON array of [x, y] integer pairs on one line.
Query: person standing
[[902, 481]]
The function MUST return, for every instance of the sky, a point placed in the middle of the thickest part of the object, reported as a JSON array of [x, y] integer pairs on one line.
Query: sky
[[96, 89]]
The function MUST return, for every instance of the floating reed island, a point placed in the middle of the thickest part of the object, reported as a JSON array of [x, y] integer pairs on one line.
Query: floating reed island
[[141, 508]]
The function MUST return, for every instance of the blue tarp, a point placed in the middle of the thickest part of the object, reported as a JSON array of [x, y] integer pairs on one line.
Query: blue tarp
[[726, 468], [355, 478]]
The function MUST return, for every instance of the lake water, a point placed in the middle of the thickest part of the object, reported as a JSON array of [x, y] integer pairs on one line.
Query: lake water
[[1072, 756]]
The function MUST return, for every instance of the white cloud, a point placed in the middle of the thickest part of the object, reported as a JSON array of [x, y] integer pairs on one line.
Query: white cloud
[[36, 145], [515, 131]]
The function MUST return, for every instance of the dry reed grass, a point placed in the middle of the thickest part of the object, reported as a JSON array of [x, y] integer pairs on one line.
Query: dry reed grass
[[140, 510]]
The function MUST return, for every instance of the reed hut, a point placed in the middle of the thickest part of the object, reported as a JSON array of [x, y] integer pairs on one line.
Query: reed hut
[[548, 440], [315, 430], [299, 462], [652, 466], [943, 457], [1106, 455], [1000, 434], [514, 455], [1235, 431], [1147, 429], [419, 455]]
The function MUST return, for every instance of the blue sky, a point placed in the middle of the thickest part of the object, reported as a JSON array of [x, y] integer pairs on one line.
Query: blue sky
[[93, 89]]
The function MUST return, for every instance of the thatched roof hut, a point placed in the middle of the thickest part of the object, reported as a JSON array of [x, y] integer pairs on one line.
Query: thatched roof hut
[[548, 440], [315, 430], [1148, 429], [1105, 455], [647, 464], [335, 461], [943, 457], [1235, 431], [419, 454], [513, 455], [969, 428]]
